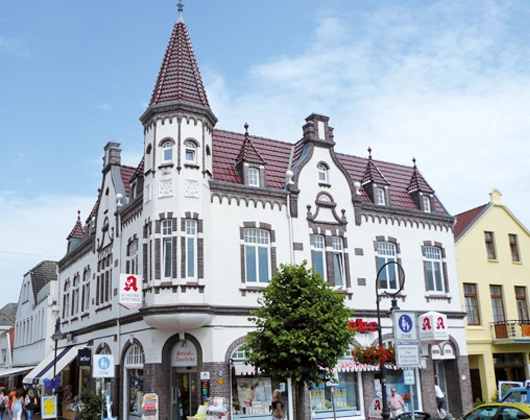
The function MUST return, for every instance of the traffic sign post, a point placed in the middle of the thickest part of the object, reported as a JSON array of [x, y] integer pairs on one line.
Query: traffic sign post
[[404, 326]]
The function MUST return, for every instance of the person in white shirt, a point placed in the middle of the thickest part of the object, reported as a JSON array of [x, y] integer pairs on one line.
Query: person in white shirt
[[440, 400]]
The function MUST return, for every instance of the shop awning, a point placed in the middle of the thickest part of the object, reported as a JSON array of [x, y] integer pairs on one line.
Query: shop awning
[[15, 370], [44, 370], [244, 370]]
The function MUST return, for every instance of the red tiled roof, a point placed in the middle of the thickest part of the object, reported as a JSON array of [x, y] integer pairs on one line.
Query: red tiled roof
[[226, 147], [372, 173], [463, 220], [179, 78], [248, 152], [418, 183], [139, 170], [77, 232], [126, 174]]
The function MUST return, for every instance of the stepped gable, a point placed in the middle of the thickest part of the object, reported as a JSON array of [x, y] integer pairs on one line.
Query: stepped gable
[[77, 232], [41, 275], [418, 183], [466, 218], [179, 78], [372, 172]]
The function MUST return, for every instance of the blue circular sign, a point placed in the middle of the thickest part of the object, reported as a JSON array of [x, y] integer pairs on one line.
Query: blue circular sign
[[405, 323], [104, 363]]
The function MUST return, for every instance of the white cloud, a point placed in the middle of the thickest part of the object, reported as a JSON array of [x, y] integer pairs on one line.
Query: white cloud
[[34, 230], [445, 82]]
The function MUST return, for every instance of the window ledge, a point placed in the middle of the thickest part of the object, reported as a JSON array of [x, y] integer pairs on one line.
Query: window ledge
[[517, 262], [324, 185], [166, 165], [104, 307], [430, 297], [244, 289], [191, 166], [493, 260]]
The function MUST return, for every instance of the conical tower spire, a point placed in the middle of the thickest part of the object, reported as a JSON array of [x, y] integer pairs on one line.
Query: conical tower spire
[[179, 78]]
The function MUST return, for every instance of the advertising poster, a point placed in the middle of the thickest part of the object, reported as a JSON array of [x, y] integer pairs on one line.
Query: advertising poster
[[49, 407], [254, 393]]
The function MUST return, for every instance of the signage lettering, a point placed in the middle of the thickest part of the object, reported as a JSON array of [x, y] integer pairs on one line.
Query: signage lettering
[[426, 324], [363, 326]]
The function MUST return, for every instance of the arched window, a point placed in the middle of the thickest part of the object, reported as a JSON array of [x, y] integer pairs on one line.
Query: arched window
[[167, 148], [190, 152], [75, 295], [66, 299], [322, 173], [257, 255]]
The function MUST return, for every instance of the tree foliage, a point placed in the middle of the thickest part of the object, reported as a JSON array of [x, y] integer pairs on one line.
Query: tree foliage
[[92, 405], [301, 327]]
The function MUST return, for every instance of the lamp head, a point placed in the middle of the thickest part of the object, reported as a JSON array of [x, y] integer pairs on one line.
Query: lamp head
[[57, 335]]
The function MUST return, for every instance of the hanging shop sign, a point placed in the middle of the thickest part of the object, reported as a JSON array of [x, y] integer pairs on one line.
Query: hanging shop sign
[[130, 293], [183, 354], [433, 327], [103, 366], [84, 357]]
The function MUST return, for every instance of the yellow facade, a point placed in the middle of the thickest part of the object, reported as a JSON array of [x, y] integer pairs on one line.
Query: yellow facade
[[509, 338]]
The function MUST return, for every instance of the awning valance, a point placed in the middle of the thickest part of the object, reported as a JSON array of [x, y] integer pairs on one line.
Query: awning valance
[[44, 370], [15, 370], [244, 370]]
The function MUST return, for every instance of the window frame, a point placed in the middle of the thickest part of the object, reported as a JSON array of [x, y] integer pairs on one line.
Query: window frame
[[514, 247], [389, 275], [323, 173], [497, 302], [257, 247], [380, 196], [167, 148], [521, 301], [85, 287], [426, 204], [253, 176], [471, 304], [337, 254], [191, 235], [166, 228], [75, 295], [433, 265], [489, 240], [319, 253], [190, 152]]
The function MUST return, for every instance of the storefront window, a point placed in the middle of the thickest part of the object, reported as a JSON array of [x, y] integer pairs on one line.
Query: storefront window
[[253, 396], [134, 380], [346, 395]]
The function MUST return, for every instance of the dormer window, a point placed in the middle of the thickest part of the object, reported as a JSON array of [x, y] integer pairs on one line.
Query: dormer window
[[380, 196], [322, 173], [190, 152], [426, 204], [253, 177], [167, 148]]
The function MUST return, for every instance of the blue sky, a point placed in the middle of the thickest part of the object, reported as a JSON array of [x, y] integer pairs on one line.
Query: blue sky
[[445, 82]]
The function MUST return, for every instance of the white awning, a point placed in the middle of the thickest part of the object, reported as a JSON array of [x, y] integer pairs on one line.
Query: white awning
[[244, 370], [15, 370], [45, 369]]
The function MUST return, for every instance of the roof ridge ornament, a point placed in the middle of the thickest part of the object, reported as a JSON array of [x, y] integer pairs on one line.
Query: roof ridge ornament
[[180, 6]]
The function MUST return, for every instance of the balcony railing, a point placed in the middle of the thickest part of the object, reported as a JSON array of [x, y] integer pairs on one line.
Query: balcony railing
[[511, 329]]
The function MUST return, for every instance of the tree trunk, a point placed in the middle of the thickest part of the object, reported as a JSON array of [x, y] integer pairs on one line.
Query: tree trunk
[[299, 412]]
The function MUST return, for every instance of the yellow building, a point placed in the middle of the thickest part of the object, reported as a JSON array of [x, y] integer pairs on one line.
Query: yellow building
[[493, 257]]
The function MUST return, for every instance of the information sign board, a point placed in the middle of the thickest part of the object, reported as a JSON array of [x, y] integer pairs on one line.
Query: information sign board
[[407, 355], [404, 326], [408, 377]]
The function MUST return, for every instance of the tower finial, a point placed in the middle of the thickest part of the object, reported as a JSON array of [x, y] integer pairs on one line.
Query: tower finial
[[369, 152], [414, 161], [180, 6]]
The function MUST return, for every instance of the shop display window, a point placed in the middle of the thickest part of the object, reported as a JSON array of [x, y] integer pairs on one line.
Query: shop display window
[[253, 396], [136, 387], [346, 394]]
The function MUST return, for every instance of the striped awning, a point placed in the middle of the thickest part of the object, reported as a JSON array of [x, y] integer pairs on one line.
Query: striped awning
[[15, 370]]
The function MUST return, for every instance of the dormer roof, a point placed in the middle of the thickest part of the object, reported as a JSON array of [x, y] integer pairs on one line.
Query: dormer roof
[[78, 231], [417, 182], [248, 152], [179, 78], [372, 174]]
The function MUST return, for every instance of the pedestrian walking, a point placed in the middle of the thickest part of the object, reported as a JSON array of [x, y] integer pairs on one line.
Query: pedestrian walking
[[18, 405], [4, 404], [440, 400], [277, 405], [396, 405], [30, 403]]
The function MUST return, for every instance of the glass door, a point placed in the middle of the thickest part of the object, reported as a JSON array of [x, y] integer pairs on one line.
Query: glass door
[[184, 394]]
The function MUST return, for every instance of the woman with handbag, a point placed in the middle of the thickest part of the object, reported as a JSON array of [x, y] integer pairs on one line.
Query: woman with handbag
[[30, 403]]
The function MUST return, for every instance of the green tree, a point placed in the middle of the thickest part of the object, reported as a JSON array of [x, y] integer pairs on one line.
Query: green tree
[[301, 330], [92, 405]]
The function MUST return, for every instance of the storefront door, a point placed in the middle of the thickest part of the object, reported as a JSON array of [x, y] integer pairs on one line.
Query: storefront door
[[184, 394]]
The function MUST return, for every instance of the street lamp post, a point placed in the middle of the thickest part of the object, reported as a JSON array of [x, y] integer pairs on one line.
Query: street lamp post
[[57, 335], [382, 370]]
